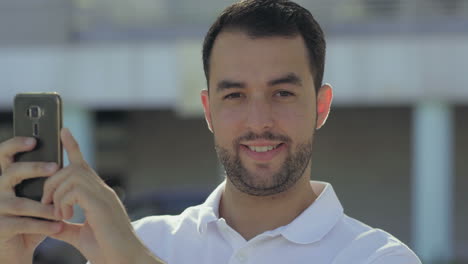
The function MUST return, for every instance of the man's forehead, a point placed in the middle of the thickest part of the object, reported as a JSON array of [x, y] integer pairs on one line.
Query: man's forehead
[[238, 57], [240, 39]]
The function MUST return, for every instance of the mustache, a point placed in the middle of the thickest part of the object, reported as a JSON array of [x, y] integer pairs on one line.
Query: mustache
[[267, 135]]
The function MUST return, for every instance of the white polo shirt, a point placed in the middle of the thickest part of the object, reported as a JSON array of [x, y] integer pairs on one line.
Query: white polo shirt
[[322, 234]]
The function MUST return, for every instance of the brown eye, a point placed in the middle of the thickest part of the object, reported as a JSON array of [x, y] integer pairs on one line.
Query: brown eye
[[284, 94], [232, 96]]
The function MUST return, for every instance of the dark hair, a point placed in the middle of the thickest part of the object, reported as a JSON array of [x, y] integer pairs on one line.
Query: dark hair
[[265, 18]]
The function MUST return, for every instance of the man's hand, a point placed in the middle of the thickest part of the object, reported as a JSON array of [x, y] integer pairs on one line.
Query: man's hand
[[20, 235], [107, 235]]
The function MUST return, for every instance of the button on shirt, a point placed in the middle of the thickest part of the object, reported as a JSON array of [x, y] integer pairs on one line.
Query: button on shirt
[[321, 234]]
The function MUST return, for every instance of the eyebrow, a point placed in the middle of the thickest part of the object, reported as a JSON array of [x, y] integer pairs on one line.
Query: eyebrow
[[228, 84], [289, 78]]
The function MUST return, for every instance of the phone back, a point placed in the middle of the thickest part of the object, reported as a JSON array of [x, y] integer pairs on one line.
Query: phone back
[[38, 115]]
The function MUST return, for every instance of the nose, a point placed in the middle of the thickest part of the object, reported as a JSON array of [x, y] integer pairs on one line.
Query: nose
[[259, 116]]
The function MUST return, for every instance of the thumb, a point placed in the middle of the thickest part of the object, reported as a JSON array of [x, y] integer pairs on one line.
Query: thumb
[[71, 146]]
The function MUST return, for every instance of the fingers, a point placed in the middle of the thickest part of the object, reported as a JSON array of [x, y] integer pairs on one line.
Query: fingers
[[67, 208], [12, 226], [19, 171], [76, 161], [65, 196], [65, 184], [12, 146], [70, 186], [66, 188], [67, 200], [15, 206], [52, 183], [71, 146], [69, 233]]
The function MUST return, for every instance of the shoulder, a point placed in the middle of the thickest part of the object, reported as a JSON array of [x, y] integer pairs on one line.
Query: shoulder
[[163, 233], [364, 244], [167, 225]]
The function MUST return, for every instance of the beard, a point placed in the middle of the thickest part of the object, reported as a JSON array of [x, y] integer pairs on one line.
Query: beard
[[248, 182]]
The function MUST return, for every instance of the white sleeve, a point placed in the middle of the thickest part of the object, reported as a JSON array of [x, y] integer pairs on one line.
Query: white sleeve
[[397, 258]]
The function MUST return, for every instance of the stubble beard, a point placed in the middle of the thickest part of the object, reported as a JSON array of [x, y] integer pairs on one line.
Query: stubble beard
[[248, 182]]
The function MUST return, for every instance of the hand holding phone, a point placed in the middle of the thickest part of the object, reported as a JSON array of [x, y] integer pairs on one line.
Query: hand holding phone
[[21, 230], [38, 115], [25, 160]]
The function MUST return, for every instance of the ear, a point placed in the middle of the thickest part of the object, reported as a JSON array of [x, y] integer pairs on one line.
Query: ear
[[205, 98], [324, 100]]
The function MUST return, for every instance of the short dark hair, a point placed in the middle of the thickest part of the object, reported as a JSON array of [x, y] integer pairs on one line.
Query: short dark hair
[[265, 18]]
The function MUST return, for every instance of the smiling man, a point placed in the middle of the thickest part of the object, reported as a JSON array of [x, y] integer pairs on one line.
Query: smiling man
[[264, 62], [261, 108]]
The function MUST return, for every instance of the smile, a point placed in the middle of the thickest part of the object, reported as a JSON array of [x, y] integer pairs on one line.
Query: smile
[[263, 148], [263, 153]]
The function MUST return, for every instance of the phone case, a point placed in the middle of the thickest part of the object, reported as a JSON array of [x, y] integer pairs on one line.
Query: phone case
[[38, 115]]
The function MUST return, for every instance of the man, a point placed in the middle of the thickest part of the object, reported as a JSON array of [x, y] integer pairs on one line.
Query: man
[[264, 63]]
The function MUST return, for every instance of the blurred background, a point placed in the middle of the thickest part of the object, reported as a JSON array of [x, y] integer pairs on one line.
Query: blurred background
[[395, 146]]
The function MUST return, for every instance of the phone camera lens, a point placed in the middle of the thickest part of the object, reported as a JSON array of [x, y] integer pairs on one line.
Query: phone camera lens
[[34, 112]]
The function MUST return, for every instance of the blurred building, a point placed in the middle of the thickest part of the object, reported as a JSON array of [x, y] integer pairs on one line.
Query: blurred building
[[130, 73]]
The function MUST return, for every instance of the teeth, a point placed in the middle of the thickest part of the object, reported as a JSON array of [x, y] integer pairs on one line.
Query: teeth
[[262, 149]]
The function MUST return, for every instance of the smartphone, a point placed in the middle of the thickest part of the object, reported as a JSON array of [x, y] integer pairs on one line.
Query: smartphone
[[38, 115]]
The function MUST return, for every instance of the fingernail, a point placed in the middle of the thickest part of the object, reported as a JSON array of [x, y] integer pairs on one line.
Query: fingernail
[[29, 141], [51, 167]]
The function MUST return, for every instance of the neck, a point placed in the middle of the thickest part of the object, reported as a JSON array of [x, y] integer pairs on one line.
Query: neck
[[252, 215]]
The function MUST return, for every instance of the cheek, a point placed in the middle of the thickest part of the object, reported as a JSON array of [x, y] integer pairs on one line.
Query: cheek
[[227, 125], [227, 119], [297, 122]]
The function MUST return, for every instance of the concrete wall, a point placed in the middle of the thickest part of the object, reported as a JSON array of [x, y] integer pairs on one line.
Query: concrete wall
[[35, 23], [371, 70]]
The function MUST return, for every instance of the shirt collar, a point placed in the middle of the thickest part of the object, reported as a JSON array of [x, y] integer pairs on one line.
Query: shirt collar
[[310, 226], [318, 219], [209, 210]]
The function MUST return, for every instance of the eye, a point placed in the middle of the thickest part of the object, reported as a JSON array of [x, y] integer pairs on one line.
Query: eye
[[284, 94], [232, 96]]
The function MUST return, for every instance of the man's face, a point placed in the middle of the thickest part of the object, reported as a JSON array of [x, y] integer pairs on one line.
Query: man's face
[[261, 108]]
